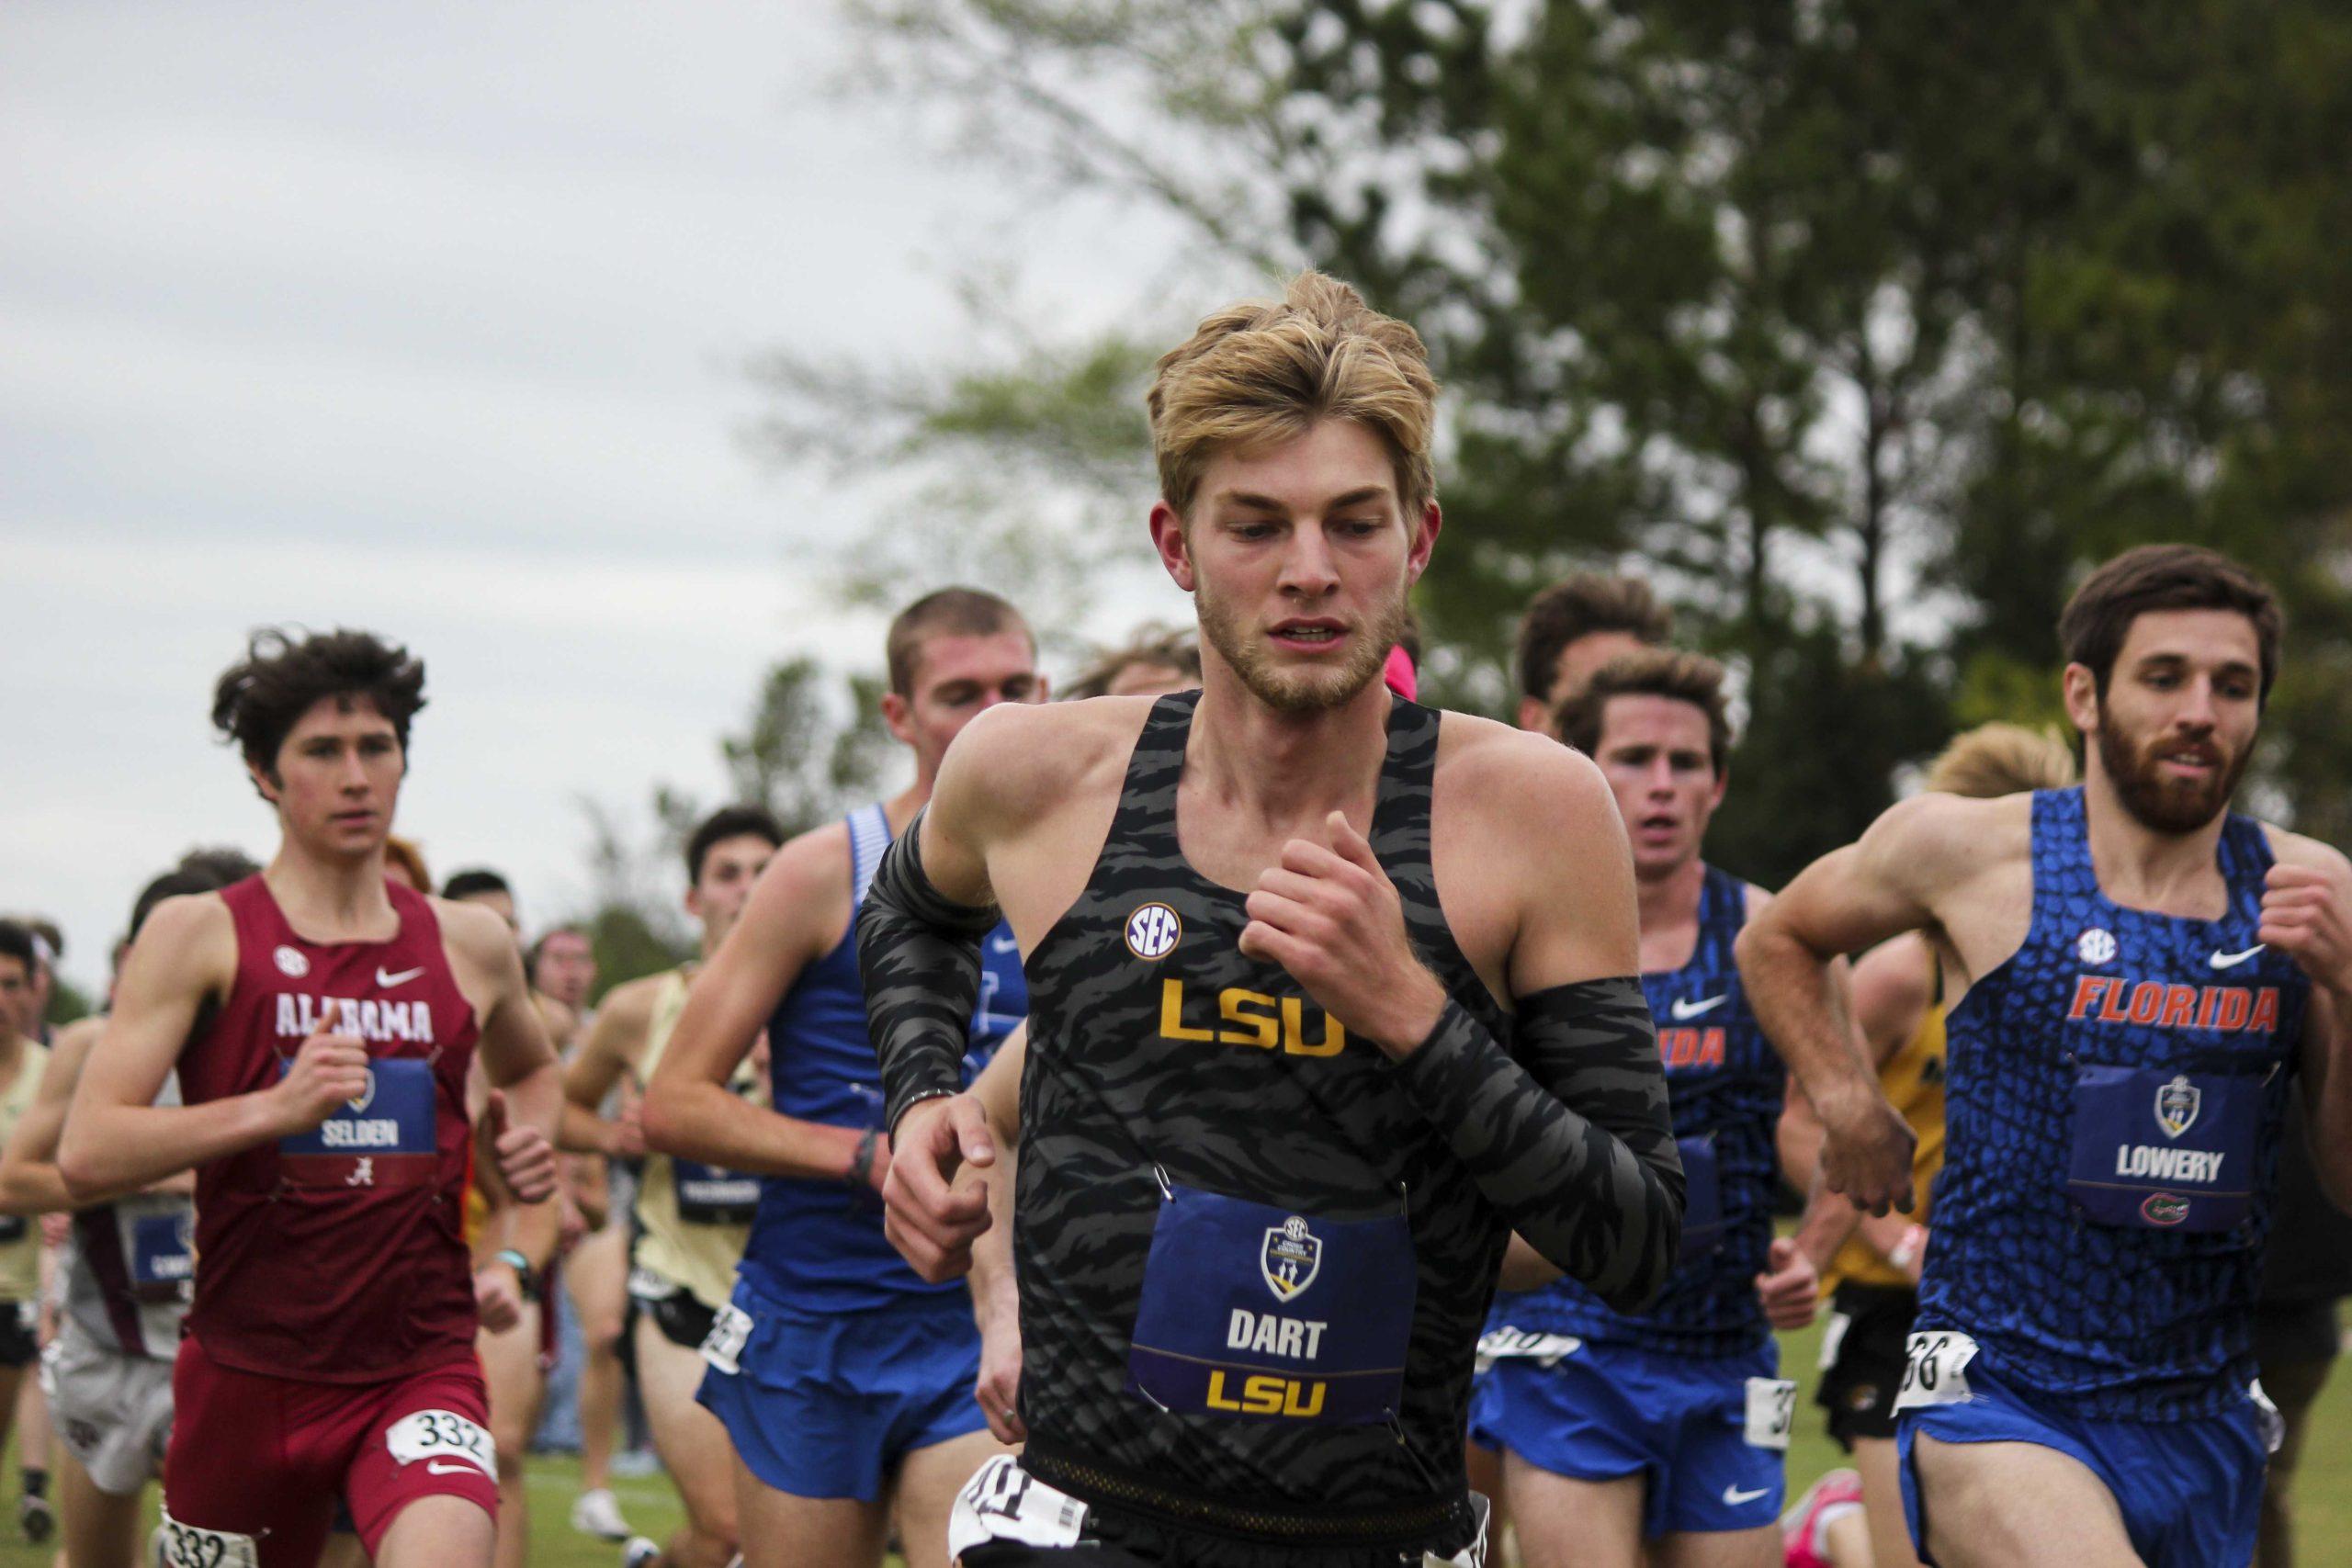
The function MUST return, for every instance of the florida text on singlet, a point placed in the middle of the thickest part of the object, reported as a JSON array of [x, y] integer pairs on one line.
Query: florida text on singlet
[[2112, 1113], [816, 1244], [1235, 1233], [1725, 1082], [299, 1240]]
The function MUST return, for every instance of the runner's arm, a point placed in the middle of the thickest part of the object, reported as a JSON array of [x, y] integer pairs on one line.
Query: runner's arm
[[996, 1293], [614, 1045], [2307, 914], [29, 1183], [116, 1137], [518, 1064], [786, 925]]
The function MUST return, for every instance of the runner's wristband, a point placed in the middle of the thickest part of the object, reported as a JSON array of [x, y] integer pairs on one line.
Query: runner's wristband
[[526, 1277], [920, 954], [1572, 1140]]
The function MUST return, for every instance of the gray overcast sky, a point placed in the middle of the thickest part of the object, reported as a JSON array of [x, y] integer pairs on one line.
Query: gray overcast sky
[[427, 317]]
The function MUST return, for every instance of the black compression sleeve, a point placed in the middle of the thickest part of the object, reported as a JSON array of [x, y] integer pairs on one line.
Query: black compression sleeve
[[1572, 1140], [918, 953]]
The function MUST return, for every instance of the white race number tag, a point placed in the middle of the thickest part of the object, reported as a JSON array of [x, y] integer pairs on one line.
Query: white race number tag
[[185, 1546], [2266, 1420], [1935, 1370], [1005, 1502], [1508, 1344], [730, 1332], [1833, 1338], [1771, 1412], [441, 1437], [646, 1286]]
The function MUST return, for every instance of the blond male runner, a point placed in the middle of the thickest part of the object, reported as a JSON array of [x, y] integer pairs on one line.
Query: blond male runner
[[692, 1219], [843, 1380], [1273, 1144], [2136, 973]]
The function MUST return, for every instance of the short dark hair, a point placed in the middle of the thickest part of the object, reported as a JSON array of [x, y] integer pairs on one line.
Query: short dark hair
[[258, 700], [1587, 602], [17, 942], [192, 876], [224, 864], [950, 612], [1151, 644], [473, 882], [729, 822], [2097, 620], [1690, 678]]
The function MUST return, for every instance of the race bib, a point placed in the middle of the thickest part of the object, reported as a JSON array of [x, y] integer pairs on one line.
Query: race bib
[[1935, 1370], [1703, 1202], [1771, 1412], [383, 1138], [2158, 1150], [162, 1257], [1260, 1313], [1508, 1344], [1833, 1338], [730, 1332], [185, 1546], [1005, 1502], [444, 1439], [646, 1286], [711, 1195]]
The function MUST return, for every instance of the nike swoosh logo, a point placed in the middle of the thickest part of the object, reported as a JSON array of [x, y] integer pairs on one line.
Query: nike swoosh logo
[[1004, 944], [1682, 1009], [1734, 1495], [2232, 959], [386, 980], [434, 1467]]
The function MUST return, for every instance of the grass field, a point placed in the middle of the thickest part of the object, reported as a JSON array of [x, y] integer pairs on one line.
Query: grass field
[[2323, 1490]]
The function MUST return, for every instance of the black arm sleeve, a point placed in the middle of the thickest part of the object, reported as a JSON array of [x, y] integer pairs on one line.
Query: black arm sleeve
[[919, 954], [1572, 1141]]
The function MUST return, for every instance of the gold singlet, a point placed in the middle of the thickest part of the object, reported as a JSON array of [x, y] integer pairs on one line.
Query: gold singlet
[[697, 1244], [20, 1248], [1913, 1079]]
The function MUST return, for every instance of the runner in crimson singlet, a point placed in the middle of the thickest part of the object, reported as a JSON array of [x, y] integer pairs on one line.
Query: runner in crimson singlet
[[322, 1020]]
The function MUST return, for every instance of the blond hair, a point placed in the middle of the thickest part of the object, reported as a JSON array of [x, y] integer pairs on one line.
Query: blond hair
[[1261, 373], [1994, 760]]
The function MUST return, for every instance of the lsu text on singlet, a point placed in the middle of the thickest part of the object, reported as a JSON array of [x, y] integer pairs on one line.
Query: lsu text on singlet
[[1252, 1270]]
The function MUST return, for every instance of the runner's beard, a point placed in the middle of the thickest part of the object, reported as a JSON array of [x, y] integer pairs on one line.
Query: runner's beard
[[2167, 805], [1296, 690]]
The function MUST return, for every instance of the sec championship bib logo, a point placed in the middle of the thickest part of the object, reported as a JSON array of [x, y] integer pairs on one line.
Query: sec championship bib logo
[[2177, 1106], [1290, 1257], [1152, 931]]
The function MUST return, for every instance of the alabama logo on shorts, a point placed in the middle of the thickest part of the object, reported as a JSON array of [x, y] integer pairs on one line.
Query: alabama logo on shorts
[[1152, 931], [1289, 1258]]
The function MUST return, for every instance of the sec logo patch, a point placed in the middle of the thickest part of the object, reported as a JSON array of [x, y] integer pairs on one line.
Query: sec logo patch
[[1152, 931], [291, 962]]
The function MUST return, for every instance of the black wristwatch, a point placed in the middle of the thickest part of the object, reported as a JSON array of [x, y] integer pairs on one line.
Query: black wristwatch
[[523, 1273]]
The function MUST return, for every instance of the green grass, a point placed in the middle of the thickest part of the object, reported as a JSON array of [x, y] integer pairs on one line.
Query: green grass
[[2324, 1491]]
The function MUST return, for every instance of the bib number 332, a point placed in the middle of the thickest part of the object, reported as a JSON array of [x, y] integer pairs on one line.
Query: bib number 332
[[439, 1437], [1935, 1370]]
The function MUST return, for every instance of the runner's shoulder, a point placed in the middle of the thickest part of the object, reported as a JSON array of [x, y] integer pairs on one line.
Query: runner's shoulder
[[191, 939], [1941, 836], [1512, 773], [476, 932], [1017, 759], [631, 1001], [2288, 848]]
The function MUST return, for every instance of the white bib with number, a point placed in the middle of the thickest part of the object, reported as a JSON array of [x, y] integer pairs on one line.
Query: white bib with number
[[730, 1332], [1508, 1344], [1771, 1412], [1005, 1502], [185, 1546], [1833, 1338], [443, 1438], [1935, 1370]]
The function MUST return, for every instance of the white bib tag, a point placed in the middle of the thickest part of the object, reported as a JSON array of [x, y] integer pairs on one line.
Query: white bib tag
[[729, 1331], [1771, 1412], [444, 1439], [185, 1546], [1935, 1370], [1003, 1502], [645, 1285], [1832, 1338], [2266, 1420], [1525, 1343]]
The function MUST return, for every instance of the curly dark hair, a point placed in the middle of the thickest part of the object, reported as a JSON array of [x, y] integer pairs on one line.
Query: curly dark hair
[[259, 699]]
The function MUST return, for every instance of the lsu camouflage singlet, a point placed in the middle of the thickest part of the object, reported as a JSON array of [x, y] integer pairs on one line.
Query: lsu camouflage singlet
[[1170, 1077]]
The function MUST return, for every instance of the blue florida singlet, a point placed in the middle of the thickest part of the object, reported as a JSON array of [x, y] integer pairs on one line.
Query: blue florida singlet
[[1725, 1083], [2112, 1112], [819, 1245]]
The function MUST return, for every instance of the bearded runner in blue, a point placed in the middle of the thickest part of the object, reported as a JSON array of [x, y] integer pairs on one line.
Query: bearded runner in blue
[[843, 1380], [2143, 971], [1678, 1409]]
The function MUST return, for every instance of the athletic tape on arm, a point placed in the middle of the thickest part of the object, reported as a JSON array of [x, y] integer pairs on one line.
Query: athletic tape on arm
[[1573, 1141], [919, 951]]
